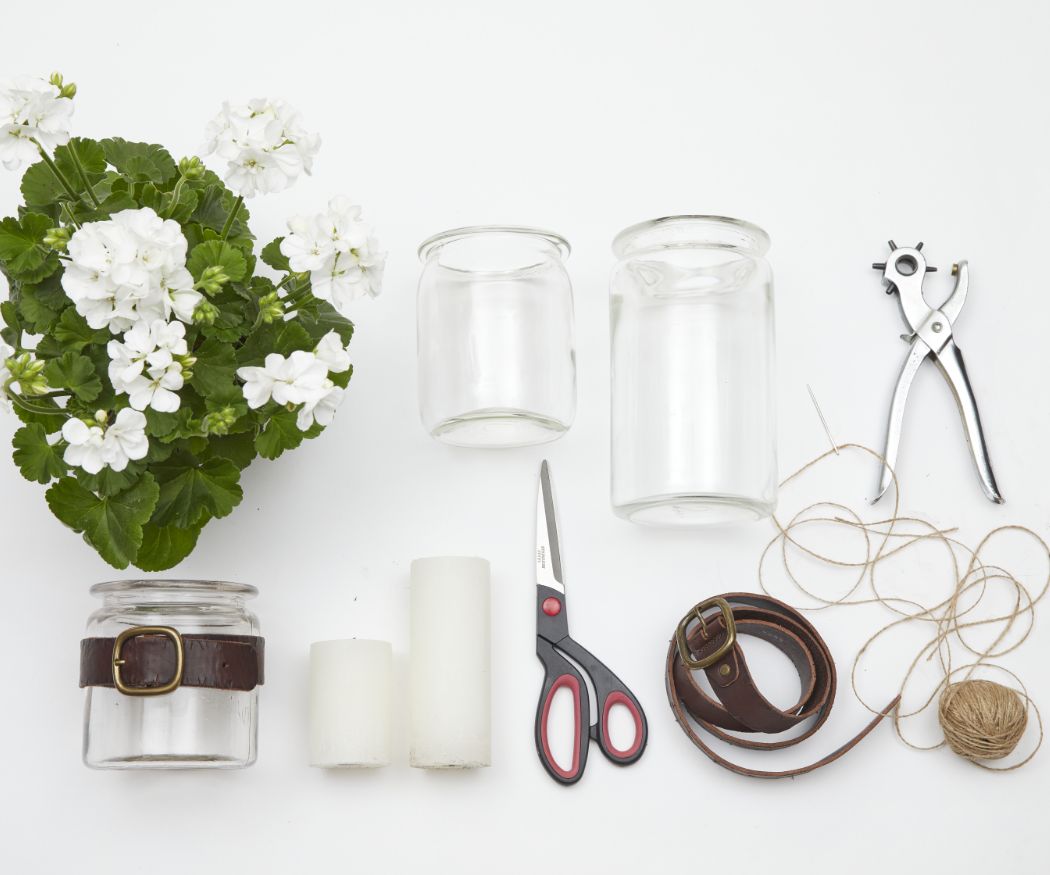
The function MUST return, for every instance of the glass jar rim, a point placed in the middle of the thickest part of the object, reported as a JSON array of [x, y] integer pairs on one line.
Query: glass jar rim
[[148, 585], [691, 231], [432, 244]]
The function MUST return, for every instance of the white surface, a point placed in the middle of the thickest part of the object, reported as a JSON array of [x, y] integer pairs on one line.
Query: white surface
[[833, 126], [450, 653], [351, 683]]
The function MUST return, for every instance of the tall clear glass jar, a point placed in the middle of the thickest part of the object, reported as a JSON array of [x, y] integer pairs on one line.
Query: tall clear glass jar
[[192, 726], [497, 362], [693, 404]]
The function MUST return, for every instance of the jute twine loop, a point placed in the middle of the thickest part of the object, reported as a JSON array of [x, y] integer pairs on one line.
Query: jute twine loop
[[982, 720]]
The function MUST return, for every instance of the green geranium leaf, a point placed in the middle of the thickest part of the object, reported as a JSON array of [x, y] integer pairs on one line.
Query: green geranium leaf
[[75, 372], [108, 482], [325, 318], [92, 158], [164, 547], [36, 304], [215, 253], [38, 460], [214, 204], [214, 370], [169, 426], [40, 186], [188, 491], [112, 524], [279, 434], [140, 162], [238, 448], [73, 333], [21, 243], [273, 256], [282, 337]]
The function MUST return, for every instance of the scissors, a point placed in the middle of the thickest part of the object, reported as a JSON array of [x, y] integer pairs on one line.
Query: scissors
[[931, 336], [553, 644]]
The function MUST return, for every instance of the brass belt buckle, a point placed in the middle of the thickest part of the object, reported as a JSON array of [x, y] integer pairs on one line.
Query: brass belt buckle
[[697, 613], [118, 660]]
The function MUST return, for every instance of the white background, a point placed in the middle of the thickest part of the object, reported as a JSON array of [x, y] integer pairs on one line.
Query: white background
[[833, 126]]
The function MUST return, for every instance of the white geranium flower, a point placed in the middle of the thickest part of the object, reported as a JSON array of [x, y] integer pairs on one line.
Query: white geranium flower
[[332, 352], [321, 407], [128, 268], [263, 144], [125, 440], [85, 445], [259, 382], [31, 109], [145, 366], [293, 380], [340, 252], [5, 374]]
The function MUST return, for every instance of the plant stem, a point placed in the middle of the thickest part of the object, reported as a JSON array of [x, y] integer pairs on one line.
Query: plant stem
[[70, 216], [29, 408], [229, 219], [175, 193], [58, 173], [83, 175]]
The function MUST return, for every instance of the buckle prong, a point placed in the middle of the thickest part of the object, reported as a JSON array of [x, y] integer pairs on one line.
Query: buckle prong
[[118, 660], [698, 612]]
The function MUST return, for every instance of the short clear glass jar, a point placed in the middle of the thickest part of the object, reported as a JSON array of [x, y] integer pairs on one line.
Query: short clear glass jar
[[497, 362], [693, 403], [190, 727]]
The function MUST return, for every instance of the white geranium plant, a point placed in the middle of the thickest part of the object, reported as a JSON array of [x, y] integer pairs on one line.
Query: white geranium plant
[[147, 359]]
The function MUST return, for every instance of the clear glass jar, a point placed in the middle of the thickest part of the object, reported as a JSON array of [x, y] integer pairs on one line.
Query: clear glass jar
[[497, 364], [190, 727], [693, 405]]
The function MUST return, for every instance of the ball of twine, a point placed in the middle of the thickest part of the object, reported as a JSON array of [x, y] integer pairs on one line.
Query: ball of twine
[[982, 720]]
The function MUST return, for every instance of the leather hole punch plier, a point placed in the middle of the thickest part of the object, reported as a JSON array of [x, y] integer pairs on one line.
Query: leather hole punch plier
[[931, 336]]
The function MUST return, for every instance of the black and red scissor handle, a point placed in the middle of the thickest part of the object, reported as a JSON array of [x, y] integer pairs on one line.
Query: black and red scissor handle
[[560, 673]]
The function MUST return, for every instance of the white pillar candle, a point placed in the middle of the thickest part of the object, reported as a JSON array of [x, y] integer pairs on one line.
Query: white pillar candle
[[350, 704], [450, 664]]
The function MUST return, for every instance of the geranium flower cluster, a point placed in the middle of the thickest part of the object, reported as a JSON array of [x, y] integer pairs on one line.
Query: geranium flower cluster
[[148, 366], [129, 268], [97, 444], [263, 143], [34, 115], [300, 379], [148, 357], [340, 252]]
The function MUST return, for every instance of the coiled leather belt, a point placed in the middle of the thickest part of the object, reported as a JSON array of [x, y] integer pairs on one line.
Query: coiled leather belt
[[708, 639]]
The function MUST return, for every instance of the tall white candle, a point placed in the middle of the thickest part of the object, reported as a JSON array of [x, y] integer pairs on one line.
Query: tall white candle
[[450, 664], [350, 704]]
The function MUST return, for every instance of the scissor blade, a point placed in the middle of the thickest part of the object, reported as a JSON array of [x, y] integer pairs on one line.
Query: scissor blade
[[548, 551]]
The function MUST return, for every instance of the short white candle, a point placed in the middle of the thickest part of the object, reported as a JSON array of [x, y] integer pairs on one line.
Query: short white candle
[[450, 664], [350, 704]]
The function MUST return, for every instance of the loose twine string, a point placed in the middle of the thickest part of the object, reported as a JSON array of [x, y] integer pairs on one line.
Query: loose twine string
[[982, 720]]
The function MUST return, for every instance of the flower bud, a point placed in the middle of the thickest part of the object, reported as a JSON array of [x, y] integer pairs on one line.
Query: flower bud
[[65, 89], [219, 421], [57, 238], [27, 371], [206, 313], [212, 279], [101, 417], [191, 167], [271, 308]]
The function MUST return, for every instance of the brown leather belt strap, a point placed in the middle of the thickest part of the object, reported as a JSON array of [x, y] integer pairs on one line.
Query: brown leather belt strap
[[149, 661], [738, 706]]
